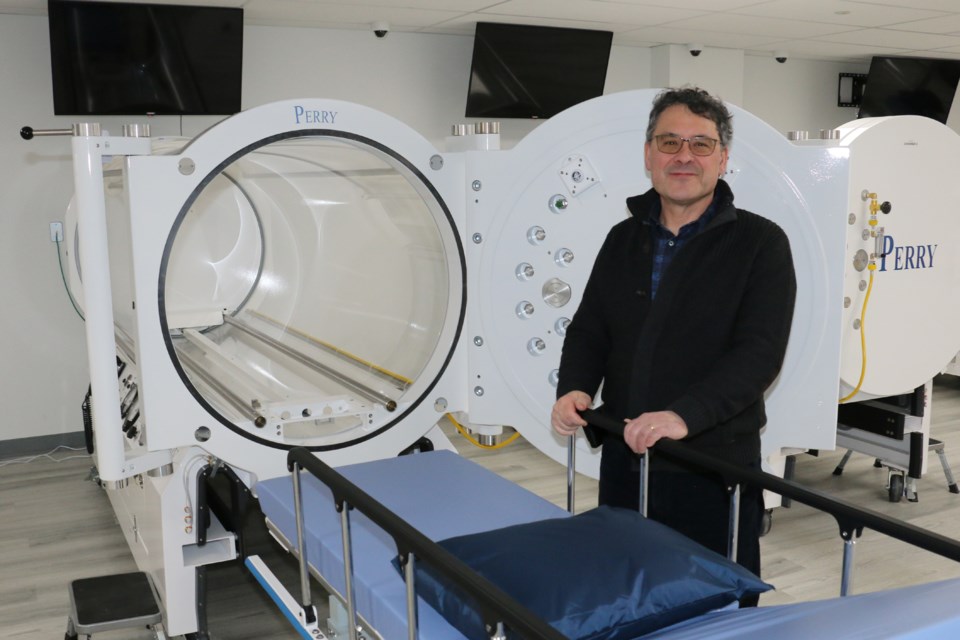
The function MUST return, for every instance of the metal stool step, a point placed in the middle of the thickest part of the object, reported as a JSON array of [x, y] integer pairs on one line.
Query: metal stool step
[[105, 603]]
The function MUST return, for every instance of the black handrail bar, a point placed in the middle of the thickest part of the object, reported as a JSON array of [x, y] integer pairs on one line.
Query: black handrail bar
[[492, 603], [849, 517]]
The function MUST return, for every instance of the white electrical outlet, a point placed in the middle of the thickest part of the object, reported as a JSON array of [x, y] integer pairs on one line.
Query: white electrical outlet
[[56, 232]]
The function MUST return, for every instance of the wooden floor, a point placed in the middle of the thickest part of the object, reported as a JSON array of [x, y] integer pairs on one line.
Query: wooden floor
[[55, 526]]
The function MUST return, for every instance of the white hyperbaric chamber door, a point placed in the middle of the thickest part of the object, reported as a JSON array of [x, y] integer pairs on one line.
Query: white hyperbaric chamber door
[[299, 278], [911, 318], [541, 214]]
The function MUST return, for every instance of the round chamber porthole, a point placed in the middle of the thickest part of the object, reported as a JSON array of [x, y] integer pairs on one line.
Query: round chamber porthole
[[312, 282]]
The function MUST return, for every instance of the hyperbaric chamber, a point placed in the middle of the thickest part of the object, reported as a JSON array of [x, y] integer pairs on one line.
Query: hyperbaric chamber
[[302, 289]]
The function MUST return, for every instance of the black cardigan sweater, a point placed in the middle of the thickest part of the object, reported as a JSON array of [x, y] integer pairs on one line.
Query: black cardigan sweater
[[707, 346]]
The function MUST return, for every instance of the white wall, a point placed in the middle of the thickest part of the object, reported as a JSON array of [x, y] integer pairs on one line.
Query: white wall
[[420, 79], [798, 94], [42, 353], [719, 71]]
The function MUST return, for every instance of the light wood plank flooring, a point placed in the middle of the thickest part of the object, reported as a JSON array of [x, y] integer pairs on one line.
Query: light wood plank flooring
[[55, 527]]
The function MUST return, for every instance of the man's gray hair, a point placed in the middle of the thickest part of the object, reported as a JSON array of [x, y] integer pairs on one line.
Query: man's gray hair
[[698, 102]]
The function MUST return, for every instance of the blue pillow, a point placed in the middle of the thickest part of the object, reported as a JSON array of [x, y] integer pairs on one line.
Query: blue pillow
[[607, 573]]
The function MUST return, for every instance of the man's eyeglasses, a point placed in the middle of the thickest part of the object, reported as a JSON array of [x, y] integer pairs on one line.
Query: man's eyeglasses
[[672, 143]]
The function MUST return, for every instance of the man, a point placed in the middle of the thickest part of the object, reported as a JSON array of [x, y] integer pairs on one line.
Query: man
[[685, 320]]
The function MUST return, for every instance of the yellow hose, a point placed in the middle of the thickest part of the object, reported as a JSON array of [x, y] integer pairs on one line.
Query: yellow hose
[[863, 339], [473, 441]]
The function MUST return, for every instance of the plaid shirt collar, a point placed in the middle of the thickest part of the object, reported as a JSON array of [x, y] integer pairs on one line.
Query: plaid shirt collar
[[666, 244], [687, 231]]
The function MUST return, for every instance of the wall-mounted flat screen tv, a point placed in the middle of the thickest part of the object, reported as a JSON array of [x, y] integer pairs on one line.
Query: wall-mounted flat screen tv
[[522, 71], [113, 58], [910, 86]]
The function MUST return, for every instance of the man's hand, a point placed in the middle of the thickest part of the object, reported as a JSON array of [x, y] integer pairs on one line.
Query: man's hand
[[642, 432], [564, 417]]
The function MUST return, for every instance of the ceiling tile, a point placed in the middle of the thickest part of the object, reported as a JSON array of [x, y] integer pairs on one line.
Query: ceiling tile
[[945, 24], [890, 38], [950, 52], [668, 35], [592, 11], [471, 20], [696, 5], [949, 6], [835, 50], [437, 5], [39, 7], [842, 12], [756, 25], [310, 13]]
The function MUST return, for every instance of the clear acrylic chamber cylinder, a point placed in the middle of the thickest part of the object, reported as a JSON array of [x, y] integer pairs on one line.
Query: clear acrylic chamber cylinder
[[307, 288]]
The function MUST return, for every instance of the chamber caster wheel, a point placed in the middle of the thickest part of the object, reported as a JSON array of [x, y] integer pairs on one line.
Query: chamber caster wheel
[[896, 488], [766, 522]]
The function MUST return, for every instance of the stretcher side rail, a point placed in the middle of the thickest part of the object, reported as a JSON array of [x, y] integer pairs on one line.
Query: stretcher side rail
[[499, 611], [850, 518]]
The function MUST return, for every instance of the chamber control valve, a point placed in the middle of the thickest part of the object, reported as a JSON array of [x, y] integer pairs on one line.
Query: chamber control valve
[[525, 309], [563, 257], [536, 235], [524, 271], [558, 203], [536, 346], [876, 232]]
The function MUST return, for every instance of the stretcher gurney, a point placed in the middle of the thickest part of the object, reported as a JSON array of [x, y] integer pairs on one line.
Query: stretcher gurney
[[443, 495]]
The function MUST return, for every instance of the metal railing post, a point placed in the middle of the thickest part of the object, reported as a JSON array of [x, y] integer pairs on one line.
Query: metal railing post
[[846, 578], [734, 526], [644, 482], [348, 571], [413, 631], [301, 539], [571, 471]]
